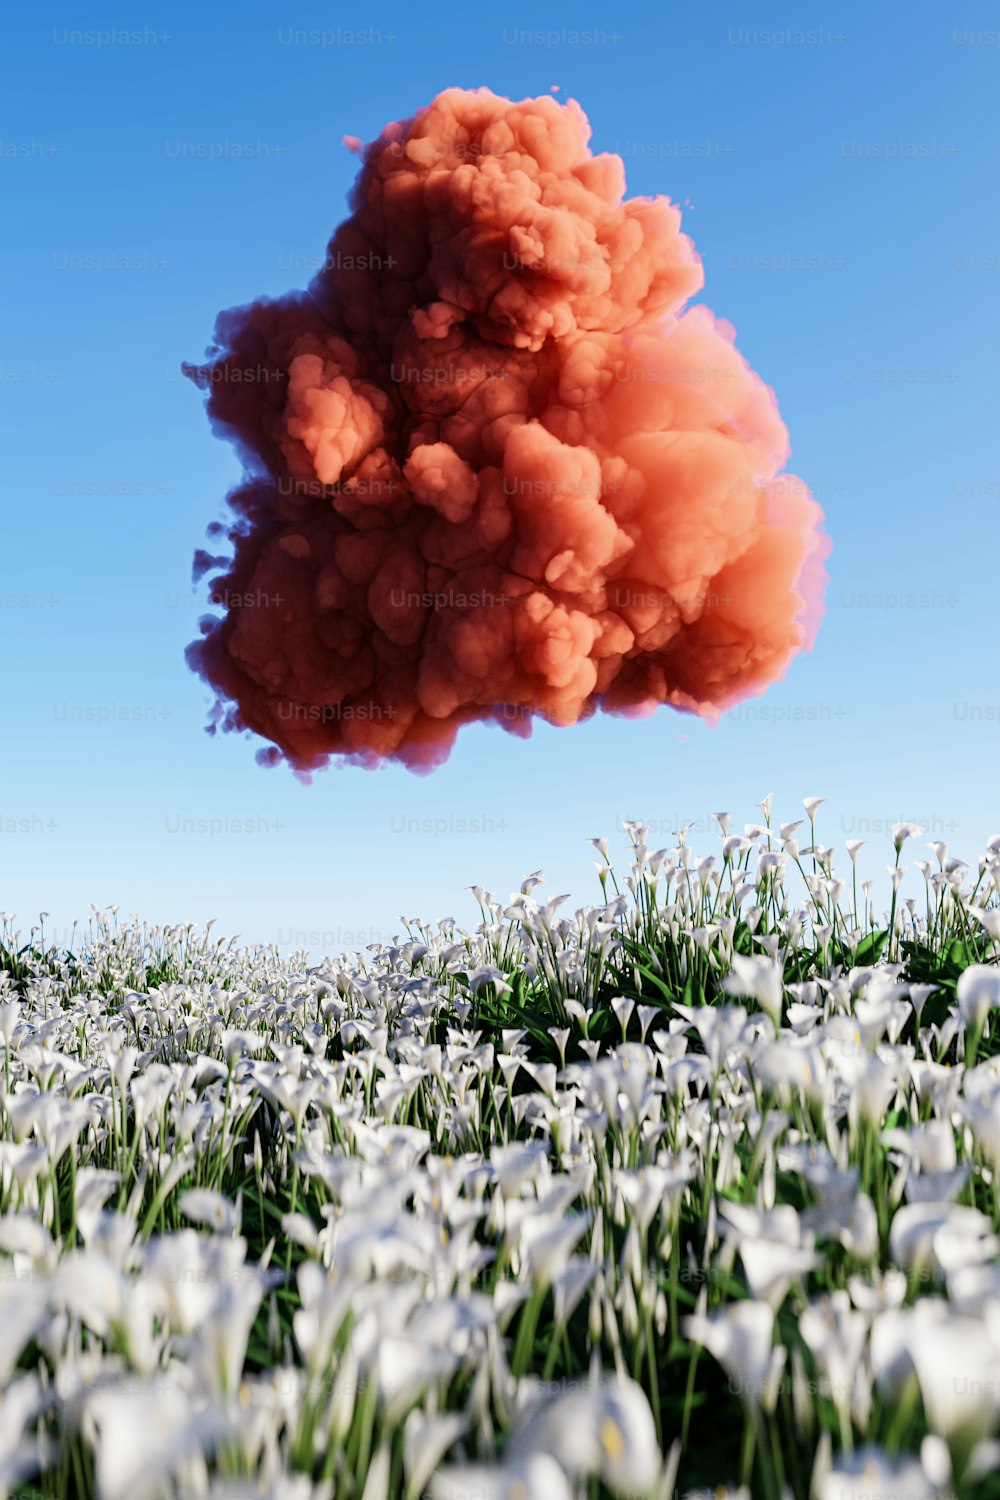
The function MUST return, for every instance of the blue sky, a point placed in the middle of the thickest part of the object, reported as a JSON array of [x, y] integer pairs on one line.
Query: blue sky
[[840, 163]]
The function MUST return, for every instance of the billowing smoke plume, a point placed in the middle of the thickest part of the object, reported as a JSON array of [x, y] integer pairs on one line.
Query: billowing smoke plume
[[493, 470]]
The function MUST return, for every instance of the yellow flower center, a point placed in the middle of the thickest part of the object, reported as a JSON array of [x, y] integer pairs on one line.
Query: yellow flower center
[[612, 1440]]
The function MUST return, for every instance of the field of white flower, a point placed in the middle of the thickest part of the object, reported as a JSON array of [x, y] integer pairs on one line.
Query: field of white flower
[[693, 1189]]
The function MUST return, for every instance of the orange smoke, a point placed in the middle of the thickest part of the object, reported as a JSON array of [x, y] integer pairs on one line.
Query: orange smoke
[[493, 470]]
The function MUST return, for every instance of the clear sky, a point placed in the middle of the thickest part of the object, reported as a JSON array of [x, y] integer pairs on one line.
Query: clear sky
[[840, 163]]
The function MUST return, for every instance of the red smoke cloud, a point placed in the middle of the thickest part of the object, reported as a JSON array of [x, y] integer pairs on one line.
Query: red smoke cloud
[[493, 470]]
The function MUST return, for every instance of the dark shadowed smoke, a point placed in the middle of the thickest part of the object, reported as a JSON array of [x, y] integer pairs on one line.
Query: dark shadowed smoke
[[493, 470]]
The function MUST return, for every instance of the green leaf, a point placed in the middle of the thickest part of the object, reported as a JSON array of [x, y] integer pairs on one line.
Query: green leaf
[[869, 950]]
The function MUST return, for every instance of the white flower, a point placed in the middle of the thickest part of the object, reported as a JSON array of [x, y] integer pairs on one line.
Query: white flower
[[940, 1237], [771, 1248], [958, 1367], [221, 1342], [760, 978], [517, 1164], [301, 1230], [605, 1429], [873, 1084], [983, 1115], [870, 1474], [21, 1455], [143, 1434], [426, 1441], [8, 1019], [652, 1188], [740, 1337], [719, 1492], [569, 1286], [22, 1234], [771, 1268], [835, 1335], [931, 1144], [92, 1288], [539, 1478], [989, 919], [903, 831], [178, 1264], [404, 1368], [719, 1026], [978, 993], [205, 1206], [887, 1349], [874, 1295], [846, 1216]]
